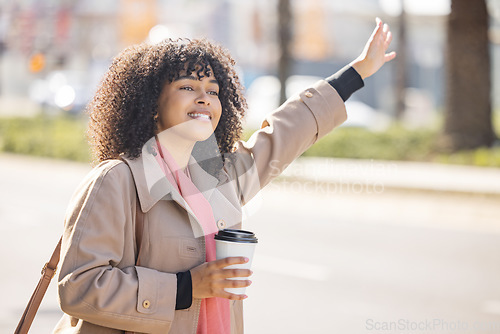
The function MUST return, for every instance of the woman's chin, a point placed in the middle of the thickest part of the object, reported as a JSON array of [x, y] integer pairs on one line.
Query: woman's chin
[[190, 131], [197, 136]]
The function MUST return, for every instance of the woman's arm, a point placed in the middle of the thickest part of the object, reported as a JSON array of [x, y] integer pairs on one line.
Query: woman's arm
[[303, 119], [285, 134]]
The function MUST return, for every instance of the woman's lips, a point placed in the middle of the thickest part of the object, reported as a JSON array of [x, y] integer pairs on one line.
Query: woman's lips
[[202, 116]]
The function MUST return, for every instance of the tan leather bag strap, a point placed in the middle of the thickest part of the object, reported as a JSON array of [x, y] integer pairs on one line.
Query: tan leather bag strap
[[49, 271]]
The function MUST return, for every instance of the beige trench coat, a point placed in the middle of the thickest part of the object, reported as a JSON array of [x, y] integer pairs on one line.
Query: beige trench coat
[[102, 290]]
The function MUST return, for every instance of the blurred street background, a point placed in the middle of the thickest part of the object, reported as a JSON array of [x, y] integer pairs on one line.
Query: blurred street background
[[331, 258], [388, 230]]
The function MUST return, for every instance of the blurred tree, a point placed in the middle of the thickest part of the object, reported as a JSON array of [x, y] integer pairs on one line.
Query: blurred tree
[[468, 115], [401, 63], [284, 39]]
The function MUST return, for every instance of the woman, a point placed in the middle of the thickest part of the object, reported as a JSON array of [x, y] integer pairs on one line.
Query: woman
[[138, 252]]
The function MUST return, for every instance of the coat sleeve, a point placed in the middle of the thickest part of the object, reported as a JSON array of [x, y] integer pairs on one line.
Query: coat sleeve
[[285, 135], [99, 281]]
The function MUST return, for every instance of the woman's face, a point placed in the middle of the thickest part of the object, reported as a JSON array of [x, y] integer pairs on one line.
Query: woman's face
[[190, 106]]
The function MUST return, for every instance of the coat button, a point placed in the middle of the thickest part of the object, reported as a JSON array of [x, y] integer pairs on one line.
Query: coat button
[[152, 150], [308, 94], [221, 224], [146, 304]]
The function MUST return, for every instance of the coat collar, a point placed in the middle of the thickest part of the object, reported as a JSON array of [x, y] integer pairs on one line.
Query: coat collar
[[152, 185]]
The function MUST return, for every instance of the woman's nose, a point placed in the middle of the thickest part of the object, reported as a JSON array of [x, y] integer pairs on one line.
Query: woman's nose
[[203, 99]]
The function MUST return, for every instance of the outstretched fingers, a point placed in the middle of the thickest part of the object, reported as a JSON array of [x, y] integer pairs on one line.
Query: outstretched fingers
[[390, 56], [385, 38], [388, 39], [378, 31], [374, 54]]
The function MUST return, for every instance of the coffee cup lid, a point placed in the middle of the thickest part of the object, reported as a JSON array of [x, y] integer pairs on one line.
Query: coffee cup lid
[[236, 236]]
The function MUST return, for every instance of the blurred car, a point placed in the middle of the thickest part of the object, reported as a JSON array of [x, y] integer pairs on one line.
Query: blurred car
[[68, 91], [263, 97]]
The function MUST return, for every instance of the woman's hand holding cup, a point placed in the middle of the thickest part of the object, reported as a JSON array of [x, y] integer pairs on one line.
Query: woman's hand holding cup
[[211, 278]]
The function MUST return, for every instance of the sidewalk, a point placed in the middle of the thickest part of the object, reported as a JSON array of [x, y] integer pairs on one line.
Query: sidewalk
[[379, 175]]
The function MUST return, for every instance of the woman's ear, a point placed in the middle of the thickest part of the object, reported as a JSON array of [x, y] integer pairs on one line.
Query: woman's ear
[[155, 122]]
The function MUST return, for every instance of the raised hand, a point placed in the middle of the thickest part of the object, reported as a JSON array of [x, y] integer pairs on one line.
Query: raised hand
[[374, 54]]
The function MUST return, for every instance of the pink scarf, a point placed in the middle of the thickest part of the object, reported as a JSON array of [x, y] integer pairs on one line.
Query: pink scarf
[[214, 312]]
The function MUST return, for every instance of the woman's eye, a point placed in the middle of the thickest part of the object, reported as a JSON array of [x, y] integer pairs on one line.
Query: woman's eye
[[186, 88], [213, 93]]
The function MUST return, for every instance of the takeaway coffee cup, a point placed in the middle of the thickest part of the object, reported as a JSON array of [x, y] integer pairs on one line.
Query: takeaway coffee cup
[[228, 243]]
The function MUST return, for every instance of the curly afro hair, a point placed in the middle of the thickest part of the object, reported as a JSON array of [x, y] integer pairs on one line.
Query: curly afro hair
[[122, 112]]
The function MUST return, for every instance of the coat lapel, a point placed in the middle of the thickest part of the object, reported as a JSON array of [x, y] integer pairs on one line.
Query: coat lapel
[[205, 182], [153, 186], [217, 191]]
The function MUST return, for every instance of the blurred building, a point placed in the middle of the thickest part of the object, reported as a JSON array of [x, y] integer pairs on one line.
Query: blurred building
[[79, 38]]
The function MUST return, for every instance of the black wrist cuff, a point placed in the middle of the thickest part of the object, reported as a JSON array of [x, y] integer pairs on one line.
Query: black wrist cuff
[[184, 297], [346, 82]]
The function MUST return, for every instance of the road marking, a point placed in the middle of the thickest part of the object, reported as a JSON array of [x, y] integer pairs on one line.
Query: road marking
[[292, 268]]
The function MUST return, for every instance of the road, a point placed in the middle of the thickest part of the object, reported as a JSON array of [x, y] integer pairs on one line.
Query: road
[[334, 261]]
